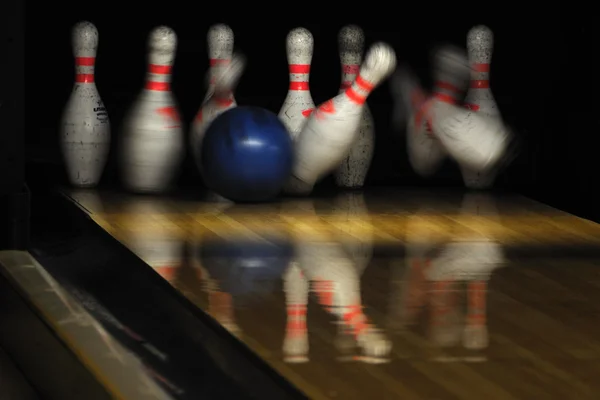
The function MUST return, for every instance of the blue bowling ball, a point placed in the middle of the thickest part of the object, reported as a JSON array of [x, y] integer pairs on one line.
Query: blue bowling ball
[[246, 155]]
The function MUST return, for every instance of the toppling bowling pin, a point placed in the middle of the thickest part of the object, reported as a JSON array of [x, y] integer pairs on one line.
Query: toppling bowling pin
[[153, 136], [480, 42], [224, 82], [332, 129], [353, 170], [450, 73], [85, 130], [473, 140], [298, 104], [220, 52]]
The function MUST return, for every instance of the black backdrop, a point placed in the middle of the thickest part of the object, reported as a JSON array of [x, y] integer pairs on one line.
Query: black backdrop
[[540, 75]]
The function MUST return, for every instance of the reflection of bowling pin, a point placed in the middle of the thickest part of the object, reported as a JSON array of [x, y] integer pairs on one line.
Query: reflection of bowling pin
[[410, 287], [85, 132], [153, 136], [425, 151], [295, 286], [352, 172], [332, 129], [298, 103], [160, 248], [220, 302], [220, 51], [356, 234], [336, 284], [480, 42], [475, 334]]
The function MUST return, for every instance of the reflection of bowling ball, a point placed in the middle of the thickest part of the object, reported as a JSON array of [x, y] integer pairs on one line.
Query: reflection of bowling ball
[[247, 155], [245, 268]]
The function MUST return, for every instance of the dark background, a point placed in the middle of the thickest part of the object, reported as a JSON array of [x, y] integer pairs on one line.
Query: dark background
[[542, 76]]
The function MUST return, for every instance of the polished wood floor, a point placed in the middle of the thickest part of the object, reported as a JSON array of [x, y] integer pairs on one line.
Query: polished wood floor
[[387, 294]]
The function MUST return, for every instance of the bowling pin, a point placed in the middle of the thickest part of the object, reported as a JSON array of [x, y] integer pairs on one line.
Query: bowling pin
[[425, 151], [153, 135], [85, 128], [332, 129], [220, 52], [298, 104], [480, 42], [225, 81], [352, 172], [473, 140]]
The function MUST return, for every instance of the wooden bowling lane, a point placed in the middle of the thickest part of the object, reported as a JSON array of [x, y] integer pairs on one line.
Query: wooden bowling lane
[[389, 294]]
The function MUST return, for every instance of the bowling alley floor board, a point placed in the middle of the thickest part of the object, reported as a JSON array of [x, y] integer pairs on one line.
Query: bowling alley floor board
[[463, 295]]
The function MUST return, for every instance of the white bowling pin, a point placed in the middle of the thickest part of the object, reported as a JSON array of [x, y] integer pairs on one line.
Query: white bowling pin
[[220, 41], [425, 151], [298, 104], [475, 141], [332, 129], [85, 128], [480, 42], [352, 172], [153, 135]]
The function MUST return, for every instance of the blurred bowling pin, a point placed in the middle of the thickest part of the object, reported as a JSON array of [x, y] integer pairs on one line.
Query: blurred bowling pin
[[220, 52], [480, 43], [153, 136], [224, 82], [85, 130], [298, 104], [473, 140], [332, 129], [352, 172], [425, 151]]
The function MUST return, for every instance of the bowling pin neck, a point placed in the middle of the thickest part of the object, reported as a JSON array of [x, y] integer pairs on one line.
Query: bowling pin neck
[[216, 67], [446, 90], [158, 78], [299, 77], [349, 72], [480, 76], [358, 92], [84, 70]]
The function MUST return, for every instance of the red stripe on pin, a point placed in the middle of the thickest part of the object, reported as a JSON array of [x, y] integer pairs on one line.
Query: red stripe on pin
[[480, 84], [350, 68], [481, 67], [446, 86], [84, 78], [298, 85], [299, 68], [355, 97], [158, 86], [219, 61], [159, 69], [364, 84], [85, 61], [472, 107], [444, 97]]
